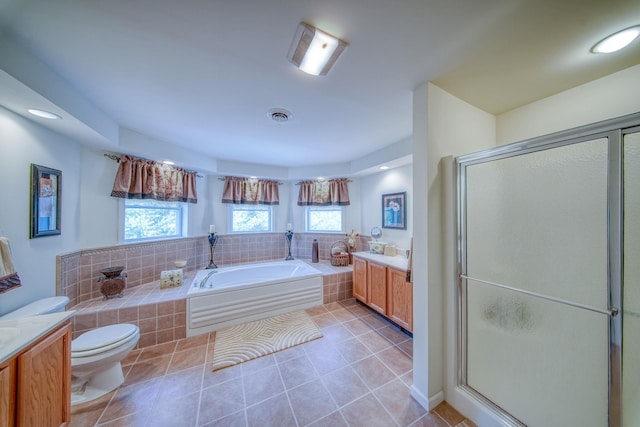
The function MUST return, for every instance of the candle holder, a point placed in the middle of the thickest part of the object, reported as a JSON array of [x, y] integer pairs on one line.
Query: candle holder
[[289, 236], [213, 239]]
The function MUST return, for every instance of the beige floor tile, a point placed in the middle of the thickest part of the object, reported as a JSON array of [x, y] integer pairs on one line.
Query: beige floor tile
[[367, 412], [221, 400], [396, 360], [297, 371], [334, 419], [273, 412], [396, 398], [310, 402], [373, 372], [344, 385], [262, 385]]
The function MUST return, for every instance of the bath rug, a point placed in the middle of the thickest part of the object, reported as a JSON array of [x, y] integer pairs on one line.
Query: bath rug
[[237, 344]]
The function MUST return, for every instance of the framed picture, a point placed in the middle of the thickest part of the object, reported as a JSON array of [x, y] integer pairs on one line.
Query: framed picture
[[394, 211], [45, 201]]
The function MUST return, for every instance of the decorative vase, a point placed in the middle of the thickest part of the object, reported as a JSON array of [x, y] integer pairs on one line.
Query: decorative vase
[[113, 282]]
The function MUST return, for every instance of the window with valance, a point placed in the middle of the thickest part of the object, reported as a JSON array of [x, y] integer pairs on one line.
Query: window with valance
[[250, 191], [145, 179], [324, 193]]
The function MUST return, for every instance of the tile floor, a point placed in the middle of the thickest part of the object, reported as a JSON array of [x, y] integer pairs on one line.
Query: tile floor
[[358, 374]]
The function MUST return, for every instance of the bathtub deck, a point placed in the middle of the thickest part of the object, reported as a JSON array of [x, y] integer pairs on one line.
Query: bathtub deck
[[161, 313]]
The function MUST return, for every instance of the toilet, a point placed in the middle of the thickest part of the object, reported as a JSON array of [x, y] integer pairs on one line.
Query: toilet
[[95, 355]]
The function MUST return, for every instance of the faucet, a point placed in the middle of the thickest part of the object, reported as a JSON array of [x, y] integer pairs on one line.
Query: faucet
[[206, 279]]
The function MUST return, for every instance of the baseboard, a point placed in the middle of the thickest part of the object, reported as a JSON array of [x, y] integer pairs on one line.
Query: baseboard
[[424, 401]]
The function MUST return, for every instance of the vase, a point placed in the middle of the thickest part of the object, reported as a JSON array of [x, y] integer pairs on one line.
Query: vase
[[113, 282]]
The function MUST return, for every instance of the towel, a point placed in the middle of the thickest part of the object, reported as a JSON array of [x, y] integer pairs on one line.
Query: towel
[[8, 276], [409, 277]]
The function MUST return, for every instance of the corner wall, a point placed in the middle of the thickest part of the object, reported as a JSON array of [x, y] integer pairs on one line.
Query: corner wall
[[443, 126]]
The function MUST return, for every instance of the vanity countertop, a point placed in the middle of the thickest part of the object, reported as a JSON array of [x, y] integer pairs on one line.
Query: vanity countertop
[[399, 262], [18, 334]]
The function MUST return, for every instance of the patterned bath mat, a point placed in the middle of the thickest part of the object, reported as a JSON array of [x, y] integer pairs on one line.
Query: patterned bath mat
[[237, 344]]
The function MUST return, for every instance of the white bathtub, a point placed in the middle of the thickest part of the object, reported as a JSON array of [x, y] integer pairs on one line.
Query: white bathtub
[[229, 296]]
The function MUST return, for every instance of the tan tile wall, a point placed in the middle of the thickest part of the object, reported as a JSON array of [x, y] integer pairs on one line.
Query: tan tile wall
[[160, 320], [77, 273]]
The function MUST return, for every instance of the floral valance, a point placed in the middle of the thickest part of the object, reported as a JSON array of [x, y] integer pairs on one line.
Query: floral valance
[[146, 179], [250, 191], [324, 193]]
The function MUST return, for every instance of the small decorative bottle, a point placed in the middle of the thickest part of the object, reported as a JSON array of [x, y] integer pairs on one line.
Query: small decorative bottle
[[314, 251]]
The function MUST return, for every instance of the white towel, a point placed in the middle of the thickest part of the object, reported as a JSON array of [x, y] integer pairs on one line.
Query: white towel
[[6, 260], [8, 275]]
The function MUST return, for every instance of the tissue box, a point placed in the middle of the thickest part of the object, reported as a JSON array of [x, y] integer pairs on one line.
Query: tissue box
[[377, 247], [171, 278]]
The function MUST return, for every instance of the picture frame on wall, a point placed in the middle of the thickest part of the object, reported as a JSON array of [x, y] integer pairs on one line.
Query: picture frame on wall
[[45, 201], [394, 210]]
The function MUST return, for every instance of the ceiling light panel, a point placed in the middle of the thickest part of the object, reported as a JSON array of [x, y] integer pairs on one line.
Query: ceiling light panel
[[617, 41], [314, 51]]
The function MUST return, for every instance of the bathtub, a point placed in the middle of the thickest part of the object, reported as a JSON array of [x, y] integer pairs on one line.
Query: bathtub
[[229, 296]]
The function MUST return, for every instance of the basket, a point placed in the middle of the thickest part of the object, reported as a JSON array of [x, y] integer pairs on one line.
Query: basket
[[339, 254]]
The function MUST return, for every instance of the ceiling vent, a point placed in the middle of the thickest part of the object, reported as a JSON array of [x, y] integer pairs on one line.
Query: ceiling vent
[[279, 115]]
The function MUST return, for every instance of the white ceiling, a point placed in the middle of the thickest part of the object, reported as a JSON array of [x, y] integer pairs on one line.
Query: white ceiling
[[202, 74]]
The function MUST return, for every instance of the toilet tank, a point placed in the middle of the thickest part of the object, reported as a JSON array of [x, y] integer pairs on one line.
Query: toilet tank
[[41, 306]]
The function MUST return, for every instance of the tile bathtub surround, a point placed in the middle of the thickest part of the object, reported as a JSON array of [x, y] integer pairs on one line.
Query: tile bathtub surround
[[359, 373], [161, 313], [77, 273]]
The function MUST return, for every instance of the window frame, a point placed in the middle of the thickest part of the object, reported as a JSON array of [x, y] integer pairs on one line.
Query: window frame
[[309, 209], [232, 207], [183, 223]]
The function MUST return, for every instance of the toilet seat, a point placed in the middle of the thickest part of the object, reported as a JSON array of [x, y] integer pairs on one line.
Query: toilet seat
[[102, 339]]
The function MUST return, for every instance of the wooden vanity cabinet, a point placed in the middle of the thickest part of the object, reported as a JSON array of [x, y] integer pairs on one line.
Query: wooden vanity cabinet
[[384, 289], [8, 393], [377, 287], [36, 384], [400, 300], [360, 279]]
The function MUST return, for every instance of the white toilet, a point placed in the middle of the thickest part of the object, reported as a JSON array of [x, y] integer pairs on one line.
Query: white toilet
[[95, 355]]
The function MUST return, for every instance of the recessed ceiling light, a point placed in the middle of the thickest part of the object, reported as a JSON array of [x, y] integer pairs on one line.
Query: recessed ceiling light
[[384, 168], [321, 178], [314, 51], [44, 114], [616, 41], [168, 162]]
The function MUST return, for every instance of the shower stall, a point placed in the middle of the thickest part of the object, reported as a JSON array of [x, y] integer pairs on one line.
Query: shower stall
[[549, 277]]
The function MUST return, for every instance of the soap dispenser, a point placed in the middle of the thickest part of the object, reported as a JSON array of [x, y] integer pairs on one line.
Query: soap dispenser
[[314, 251]]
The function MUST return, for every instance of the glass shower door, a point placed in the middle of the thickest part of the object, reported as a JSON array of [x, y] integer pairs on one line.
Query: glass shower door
[[536, 321], [631, 287]]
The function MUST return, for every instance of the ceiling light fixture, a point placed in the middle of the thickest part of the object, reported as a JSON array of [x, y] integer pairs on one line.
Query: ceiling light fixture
[[314, 51], [616, 41], [384, 168], [168, 162], [44, 114]]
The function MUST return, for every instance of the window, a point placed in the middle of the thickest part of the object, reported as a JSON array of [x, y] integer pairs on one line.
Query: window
[[250, 218], [152, 219], [324, 218]]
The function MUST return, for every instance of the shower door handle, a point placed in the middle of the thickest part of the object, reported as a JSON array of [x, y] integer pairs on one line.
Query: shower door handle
[[610, 311]]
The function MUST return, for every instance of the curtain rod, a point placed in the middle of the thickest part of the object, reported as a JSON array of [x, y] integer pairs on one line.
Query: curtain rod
[[224, 179], [298, 183], [117, 159]]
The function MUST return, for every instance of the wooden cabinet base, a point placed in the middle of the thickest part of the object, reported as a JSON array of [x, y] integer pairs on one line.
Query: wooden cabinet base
[[385, 290]]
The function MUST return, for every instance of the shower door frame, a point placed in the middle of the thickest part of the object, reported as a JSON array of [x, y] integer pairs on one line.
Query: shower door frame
[[613, 130]]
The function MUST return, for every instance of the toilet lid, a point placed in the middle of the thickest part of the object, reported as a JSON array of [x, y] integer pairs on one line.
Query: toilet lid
[[102, 337]]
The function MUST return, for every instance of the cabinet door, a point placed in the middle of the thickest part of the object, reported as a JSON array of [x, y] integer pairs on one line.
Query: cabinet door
[[8, 393], [377, 287], [44, 381], [360, 279], [400, 298]]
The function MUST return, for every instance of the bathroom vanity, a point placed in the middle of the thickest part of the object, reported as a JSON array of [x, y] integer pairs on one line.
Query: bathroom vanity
[[35, 370], [379, 281]]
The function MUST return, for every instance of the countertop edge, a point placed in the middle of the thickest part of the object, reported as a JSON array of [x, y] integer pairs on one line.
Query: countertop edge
[[30, 334], [398, 262]]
